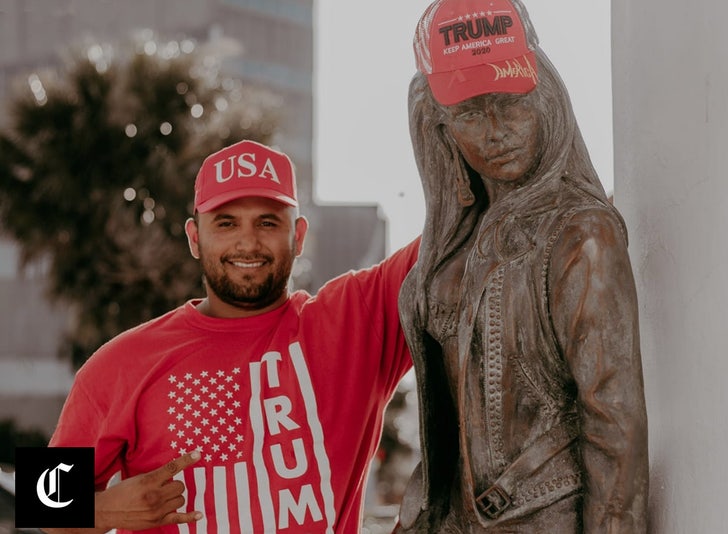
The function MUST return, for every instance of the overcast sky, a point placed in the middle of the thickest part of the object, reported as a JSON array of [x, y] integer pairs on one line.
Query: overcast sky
[[364, 63]]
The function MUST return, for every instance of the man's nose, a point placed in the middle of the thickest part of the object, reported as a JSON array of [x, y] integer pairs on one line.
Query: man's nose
[[246, 239]]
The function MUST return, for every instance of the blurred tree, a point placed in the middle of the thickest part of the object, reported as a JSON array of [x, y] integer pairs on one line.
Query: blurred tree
[[97, 167]]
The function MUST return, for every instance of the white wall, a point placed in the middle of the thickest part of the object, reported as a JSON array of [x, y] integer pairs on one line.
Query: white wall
[[670, 83]]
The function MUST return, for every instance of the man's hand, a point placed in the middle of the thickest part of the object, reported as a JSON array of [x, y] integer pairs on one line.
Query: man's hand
[[146, 501], [143, 501]]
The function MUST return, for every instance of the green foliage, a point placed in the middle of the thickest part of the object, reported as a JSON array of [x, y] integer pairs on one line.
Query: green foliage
[[97, 167]]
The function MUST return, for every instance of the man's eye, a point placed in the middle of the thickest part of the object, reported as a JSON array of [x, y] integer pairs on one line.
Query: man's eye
[[224, 224], [268, 224]]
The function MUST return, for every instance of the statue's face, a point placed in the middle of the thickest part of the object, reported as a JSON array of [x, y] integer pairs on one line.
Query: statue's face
[[499, 135]]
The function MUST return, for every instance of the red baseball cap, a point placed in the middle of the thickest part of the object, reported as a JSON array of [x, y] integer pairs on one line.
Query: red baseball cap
[[472, 47], [245, 169]]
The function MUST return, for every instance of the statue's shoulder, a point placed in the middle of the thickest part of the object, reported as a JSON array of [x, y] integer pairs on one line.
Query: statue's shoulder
[[579, 215]]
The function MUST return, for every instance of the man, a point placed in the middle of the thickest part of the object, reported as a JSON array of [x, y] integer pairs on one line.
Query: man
[[282, 394]]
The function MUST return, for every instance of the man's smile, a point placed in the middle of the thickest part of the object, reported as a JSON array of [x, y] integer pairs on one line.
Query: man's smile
[[248, 264]]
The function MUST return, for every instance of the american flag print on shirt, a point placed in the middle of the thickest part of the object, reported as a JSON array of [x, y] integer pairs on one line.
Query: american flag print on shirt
[[205, 415], [264, 467]]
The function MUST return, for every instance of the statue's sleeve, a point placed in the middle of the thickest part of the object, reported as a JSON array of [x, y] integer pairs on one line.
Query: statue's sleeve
[[593, 306]]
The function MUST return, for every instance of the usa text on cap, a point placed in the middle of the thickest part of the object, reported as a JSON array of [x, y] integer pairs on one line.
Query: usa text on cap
[[245, 169]]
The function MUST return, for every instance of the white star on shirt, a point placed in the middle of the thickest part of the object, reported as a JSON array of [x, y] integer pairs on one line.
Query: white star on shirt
[[209, 397]]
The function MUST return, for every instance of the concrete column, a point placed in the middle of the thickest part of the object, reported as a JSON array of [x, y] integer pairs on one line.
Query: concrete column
[[670, 83]]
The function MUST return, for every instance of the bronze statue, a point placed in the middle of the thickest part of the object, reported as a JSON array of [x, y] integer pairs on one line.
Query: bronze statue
[[521, 311]]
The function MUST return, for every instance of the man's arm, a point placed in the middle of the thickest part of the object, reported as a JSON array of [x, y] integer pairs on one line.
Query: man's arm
[[144, 501]]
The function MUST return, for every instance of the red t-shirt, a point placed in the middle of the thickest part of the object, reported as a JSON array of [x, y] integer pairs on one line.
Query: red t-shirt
[[286, 407]]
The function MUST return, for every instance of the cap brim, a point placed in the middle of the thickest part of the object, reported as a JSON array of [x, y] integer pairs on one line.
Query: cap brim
[[508, 76], [223, 198]]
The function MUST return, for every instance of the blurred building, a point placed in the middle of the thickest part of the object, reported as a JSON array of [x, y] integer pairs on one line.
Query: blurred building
[[344, 236], [266, 43], [33, 382]]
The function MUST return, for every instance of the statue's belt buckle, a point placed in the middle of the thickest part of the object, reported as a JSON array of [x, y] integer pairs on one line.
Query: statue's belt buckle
[[494, 501]]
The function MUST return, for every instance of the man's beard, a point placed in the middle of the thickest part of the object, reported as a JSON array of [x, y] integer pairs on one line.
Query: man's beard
[[247, 295]]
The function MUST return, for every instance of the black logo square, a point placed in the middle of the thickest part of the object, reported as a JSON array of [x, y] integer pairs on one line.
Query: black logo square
[[54, 487]]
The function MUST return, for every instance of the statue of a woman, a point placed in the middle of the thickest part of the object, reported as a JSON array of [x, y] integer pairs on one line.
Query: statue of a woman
[[521, 312]]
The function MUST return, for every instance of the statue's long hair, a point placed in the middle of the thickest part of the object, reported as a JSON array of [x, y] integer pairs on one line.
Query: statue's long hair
[[448, 224]]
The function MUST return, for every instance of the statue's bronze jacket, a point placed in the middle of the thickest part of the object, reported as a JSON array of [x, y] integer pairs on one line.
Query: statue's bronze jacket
[[550, 385]]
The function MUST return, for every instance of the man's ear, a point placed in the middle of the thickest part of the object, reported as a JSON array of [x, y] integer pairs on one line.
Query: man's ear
[[193, 237], [300, 236]]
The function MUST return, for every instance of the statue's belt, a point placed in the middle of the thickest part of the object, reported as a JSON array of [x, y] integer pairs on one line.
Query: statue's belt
[[499, 497]]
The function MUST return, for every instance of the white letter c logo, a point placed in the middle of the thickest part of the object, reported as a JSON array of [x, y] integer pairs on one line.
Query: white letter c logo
[[54, 486]]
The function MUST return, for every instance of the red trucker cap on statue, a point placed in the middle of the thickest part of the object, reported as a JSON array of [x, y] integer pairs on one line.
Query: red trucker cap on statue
[[245, 169], [473, 47]]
